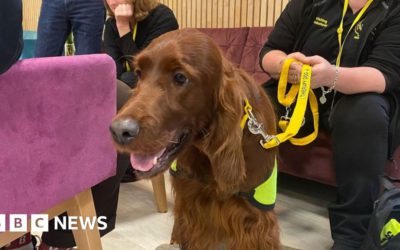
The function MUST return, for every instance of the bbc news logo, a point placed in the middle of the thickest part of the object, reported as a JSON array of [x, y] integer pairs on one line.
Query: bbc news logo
[[40, 223]]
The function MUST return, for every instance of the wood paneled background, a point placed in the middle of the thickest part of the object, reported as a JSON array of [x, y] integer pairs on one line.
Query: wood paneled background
[[226, 13], [199, 13], [31, 10]]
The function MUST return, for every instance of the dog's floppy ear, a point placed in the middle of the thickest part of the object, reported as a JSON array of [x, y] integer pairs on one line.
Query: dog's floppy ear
[[227, 159]]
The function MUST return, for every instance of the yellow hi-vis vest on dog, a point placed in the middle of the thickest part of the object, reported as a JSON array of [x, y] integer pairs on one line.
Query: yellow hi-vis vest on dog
[[263, 196]]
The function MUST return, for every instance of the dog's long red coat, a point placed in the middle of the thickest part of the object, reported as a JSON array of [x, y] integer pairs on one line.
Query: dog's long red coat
[[220, 159]]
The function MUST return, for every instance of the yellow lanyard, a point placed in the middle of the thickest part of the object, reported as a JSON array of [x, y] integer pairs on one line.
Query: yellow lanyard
[[340, 29], [128, 68]]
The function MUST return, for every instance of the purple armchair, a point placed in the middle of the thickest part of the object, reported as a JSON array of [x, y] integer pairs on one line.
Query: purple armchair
[[54, 139]]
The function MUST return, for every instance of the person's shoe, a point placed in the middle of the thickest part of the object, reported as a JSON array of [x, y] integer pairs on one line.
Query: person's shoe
[[22, 243], [338, 246], [43, 246], [129, 176]]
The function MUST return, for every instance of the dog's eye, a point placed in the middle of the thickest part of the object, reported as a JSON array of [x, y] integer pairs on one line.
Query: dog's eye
[[180, 79], [138, 73]]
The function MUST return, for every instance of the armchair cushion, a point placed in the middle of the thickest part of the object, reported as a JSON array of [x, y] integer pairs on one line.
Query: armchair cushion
[[250, 61], [54, 139], [230, 40]]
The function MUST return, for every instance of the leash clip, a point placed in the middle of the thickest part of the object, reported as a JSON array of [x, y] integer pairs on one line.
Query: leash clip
[[270, 138], [286, 117], [257, 128]]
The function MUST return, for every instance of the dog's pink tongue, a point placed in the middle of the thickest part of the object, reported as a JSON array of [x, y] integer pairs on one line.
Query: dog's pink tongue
[[144, 162]]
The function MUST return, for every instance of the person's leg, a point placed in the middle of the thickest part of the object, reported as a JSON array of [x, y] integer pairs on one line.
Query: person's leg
[[87, 19], [53, 29], [123, 93], [105, 197], [105, 194], [360, 146]]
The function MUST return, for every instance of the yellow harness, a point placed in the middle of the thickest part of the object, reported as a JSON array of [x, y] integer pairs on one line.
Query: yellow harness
[[264, 195]]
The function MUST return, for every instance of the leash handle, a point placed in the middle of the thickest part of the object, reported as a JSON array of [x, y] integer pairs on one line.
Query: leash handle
[[301, 94]]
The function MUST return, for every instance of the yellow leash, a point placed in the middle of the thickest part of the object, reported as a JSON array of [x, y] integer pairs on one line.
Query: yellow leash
[[302, 94]]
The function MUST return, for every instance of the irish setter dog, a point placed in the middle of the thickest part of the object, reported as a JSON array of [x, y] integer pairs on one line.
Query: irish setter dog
[[188, 105]]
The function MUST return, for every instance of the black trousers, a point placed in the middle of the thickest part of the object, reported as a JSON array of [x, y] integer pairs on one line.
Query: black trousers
[[359, 125], [360, 140], [105, 194]]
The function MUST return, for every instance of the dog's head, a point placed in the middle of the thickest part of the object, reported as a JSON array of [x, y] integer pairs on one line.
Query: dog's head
[[180, 94]]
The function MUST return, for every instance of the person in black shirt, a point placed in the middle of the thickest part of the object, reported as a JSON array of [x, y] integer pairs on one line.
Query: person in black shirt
[[132, 25], [356, 77], [130, 28], [11, 42]]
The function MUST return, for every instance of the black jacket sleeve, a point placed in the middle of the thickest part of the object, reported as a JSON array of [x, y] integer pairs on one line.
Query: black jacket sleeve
[[161, 20], [110, 46], [283, 36], [385, 54], [11, 42]]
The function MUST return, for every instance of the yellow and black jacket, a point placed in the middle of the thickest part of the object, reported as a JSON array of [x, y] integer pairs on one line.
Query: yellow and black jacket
[[310, 26]]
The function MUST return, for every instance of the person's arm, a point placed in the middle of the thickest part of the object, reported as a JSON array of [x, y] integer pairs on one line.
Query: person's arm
[[274, 59], [164, 21], [380, 73], [11, 42], [345, 80], [359, 80], [123, 17], [385, 55], [110, 46], [282, 39]]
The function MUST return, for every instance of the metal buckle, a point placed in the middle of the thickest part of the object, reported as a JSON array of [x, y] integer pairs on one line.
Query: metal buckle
[[257, 128], [286, 117], [271, 137]]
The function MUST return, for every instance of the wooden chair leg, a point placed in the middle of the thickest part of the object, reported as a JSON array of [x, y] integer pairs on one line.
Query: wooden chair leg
[[159, 193], [85, 239], [7, 237]]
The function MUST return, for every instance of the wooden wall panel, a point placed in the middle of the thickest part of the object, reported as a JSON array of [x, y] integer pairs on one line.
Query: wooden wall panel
[[198, 13], [31, 11], [226, 13]]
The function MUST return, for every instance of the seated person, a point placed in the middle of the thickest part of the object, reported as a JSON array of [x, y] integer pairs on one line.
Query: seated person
[[132, 25], [11, 42], [355, 75]]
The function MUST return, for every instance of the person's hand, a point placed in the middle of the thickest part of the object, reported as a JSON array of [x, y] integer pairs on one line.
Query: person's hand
[[123, 16], [323, 73], [295, 67]]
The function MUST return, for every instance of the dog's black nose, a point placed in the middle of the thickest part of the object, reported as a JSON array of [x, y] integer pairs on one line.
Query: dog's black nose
[[125, 130]]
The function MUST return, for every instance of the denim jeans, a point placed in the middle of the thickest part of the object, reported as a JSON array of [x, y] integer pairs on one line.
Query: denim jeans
[[85, 18]]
